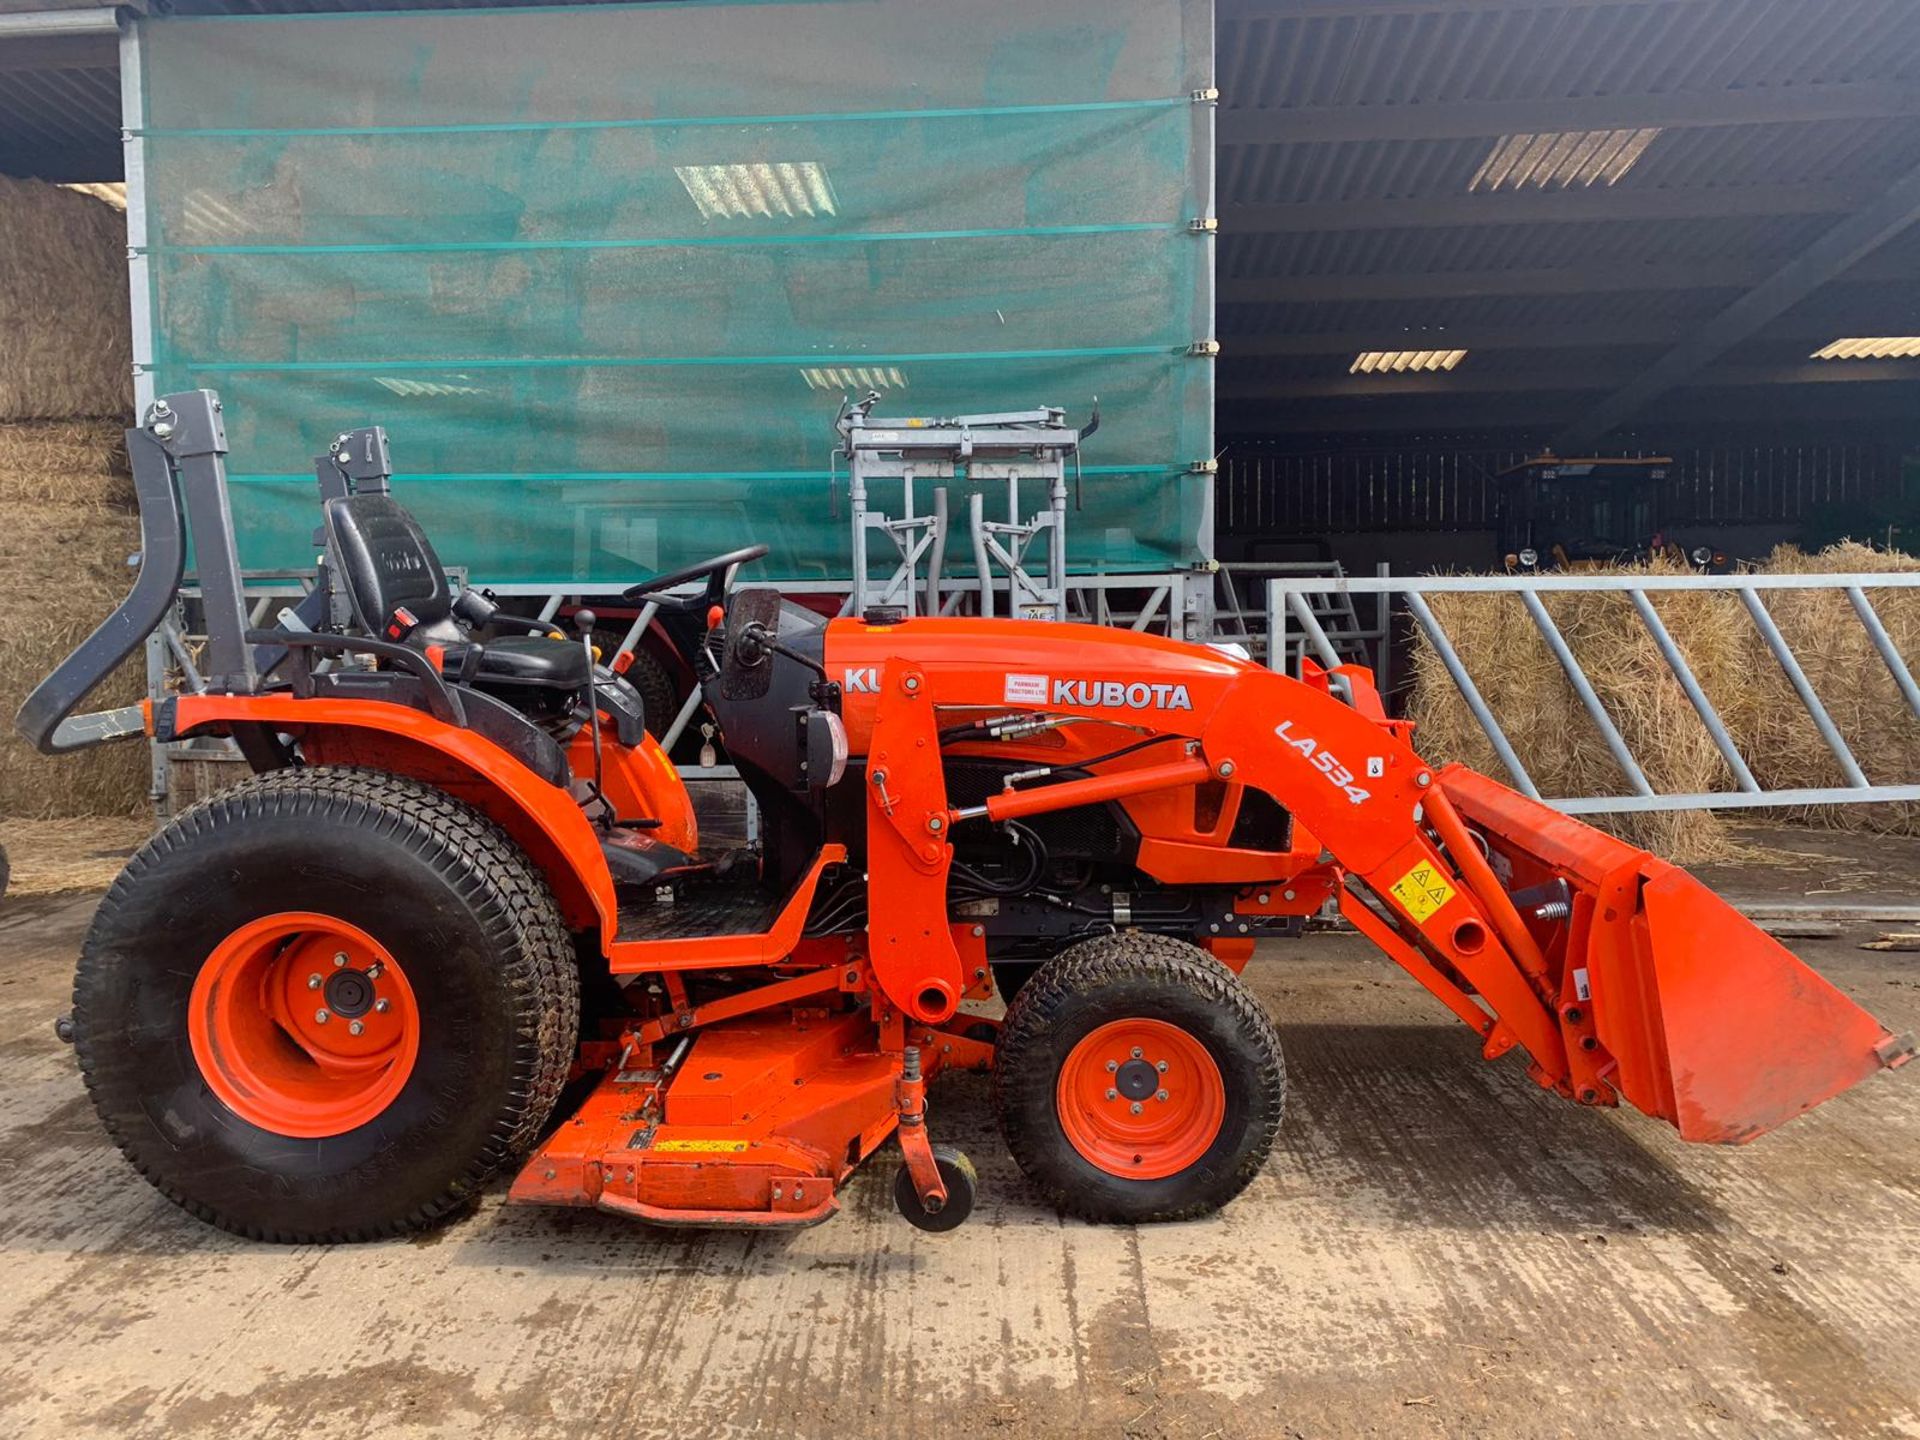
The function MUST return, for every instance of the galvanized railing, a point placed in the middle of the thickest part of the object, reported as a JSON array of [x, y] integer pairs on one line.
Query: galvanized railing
[[1242, 613], [1289, 605]]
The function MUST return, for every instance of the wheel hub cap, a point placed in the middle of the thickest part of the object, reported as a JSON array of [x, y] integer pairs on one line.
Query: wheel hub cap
[[349, 993], [303, 1024], [1141, 1098], [1137, 1080]]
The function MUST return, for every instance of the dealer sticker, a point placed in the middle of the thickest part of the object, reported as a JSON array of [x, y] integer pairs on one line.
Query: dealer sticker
[[1421, 891], [1025, 690]]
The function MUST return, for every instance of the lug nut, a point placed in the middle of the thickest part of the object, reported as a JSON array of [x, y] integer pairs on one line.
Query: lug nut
[[321, 1017], [1161, 1096], [1161, 1066], [339, 959], [355, 1028], [383, 1005], [1136, 1052], [375, 970], [313, 982], [1112, 1065], [1135, 1107], [1113, 1094]]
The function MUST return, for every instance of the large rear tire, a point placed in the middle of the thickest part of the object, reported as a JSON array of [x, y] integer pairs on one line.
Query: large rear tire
[[1138, 1079], [326, 1005]]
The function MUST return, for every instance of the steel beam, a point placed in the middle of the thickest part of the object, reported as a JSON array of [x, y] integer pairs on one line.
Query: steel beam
[[1584, 335], [1627, 203], [1464, 284], [1784, 412], [1466, 381], [39, 24], [1832, 255], [1573, 279], [1683, 109], [1231, 10]]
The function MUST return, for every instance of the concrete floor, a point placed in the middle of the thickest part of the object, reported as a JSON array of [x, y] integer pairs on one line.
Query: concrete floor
[[1437, 1248]]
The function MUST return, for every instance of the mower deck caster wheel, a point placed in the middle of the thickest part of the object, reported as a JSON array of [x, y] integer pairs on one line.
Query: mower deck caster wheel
[[962, 1182]]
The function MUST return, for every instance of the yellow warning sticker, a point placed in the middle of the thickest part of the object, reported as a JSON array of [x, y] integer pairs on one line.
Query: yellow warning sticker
[[1421, 891], [702, 1147]]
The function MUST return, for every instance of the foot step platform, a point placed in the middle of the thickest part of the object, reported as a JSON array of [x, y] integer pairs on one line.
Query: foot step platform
[[710, 908], [736, 920]]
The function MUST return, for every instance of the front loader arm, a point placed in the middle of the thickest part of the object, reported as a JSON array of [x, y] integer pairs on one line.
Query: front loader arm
[[1616, 972], [908, 854]]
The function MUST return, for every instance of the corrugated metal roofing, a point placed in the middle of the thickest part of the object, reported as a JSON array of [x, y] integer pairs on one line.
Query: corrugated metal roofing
[[1324, 111], [61, 122], [1558, 51]]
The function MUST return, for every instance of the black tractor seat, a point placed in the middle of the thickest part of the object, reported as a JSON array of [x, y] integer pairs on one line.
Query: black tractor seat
[[399, 591]]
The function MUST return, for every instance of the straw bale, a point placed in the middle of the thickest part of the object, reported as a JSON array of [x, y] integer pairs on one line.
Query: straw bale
[[68, 462], [65, 336], [1564, 752], [1549, 728], [1851, 681], [67, 528]]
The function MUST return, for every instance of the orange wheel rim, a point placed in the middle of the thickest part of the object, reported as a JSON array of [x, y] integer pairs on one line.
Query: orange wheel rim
[[1141, 1098], [303, 1024]]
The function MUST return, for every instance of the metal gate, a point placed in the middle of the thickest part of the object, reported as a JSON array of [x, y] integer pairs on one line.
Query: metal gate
[[1291, 615]]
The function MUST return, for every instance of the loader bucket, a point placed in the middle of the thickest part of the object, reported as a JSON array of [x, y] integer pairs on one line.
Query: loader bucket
[[1701, 1018]]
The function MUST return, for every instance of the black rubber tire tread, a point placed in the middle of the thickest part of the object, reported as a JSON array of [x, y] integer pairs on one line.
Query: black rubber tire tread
[[482, 869], [1111, 977], [963, 1191]]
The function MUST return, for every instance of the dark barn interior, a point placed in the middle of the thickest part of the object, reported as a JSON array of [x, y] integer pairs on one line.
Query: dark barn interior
[[1639, 221]]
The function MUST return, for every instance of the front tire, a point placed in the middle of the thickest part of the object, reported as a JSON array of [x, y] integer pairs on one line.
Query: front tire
[[326, 1005], [1138, 1079]]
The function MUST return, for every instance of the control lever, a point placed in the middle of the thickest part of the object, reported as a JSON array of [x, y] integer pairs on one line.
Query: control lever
[[584, 621]]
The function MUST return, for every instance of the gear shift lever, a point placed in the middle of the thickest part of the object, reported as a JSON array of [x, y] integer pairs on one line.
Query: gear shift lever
[[584, 621]]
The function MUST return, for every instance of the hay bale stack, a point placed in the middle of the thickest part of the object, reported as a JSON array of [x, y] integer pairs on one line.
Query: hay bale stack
[[67, 525], [1549, 728], [1847, 673], [67, 517], [1564, 752], [65, 339]]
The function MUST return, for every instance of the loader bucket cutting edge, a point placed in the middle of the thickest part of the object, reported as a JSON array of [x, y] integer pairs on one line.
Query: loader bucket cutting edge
[[1711, 1023]]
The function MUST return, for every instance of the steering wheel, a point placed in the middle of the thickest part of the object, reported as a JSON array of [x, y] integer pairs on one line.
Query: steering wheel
[[719, 572]]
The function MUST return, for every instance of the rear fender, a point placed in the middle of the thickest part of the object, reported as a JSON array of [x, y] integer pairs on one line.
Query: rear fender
[[640, 782], [544, 820]]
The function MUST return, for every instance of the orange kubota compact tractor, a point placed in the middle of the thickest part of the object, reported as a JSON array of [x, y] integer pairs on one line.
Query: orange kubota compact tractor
[[331, 1002]]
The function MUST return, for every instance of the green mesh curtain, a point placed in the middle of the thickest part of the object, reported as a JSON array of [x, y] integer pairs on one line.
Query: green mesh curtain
[[606, 272]]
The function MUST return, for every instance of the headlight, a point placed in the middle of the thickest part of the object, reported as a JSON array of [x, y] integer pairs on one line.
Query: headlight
[[1529, 558], [1702, 555], [826, 749]]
